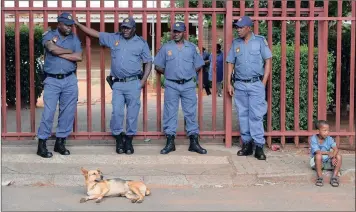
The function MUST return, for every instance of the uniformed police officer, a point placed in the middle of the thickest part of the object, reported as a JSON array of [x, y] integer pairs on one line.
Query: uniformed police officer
[[250, 58], [62, 52], [179, 60], [128, 52]]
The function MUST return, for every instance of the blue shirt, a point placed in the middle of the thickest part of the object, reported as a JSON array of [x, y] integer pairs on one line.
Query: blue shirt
[[127, 56], [219, 67], [179, 63], [57, 65], [326, 146], [249, 57]]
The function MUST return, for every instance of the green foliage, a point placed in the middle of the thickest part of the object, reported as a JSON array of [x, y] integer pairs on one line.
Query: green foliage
[[303, 89], [24, 65]]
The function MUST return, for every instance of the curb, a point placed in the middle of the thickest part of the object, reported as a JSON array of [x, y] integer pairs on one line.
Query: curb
[[182, 181]]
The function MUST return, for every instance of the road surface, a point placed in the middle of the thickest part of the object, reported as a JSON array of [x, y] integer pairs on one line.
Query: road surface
[[277, 198]]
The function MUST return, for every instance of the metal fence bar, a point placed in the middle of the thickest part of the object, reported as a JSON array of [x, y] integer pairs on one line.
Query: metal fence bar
[[200, 84], [88, 71], [17, 69], [283, 73], [3, 73], [269, 88], [352, 75], [227, 97], [102, 69], [338, 69], [311, 67], [214, 71], [158, 75], [297, 71], [144, 35]]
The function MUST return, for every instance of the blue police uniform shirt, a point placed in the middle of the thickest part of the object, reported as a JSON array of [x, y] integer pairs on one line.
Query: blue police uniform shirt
[[127, 56], [249, 57], [179, 63], [57, 65], [326, 146]]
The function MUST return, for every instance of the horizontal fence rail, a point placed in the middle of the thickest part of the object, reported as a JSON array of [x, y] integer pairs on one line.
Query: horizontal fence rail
[[312, 76]]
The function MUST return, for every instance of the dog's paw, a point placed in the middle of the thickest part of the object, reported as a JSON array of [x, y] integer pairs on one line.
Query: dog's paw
[[98, 201], [133, 200], [82, 200], [139, 201]]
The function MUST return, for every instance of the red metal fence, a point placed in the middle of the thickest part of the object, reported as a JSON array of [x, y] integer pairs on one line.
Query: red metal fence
[[312, 15]]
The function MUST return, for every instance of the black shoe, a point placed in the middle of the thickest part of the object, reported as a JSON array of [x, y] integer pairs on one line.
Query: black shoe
[[170, 146], [59, 146], [42, 149], [194, 145], [246, 149], [120, 143], [259, 154], [128, 145]]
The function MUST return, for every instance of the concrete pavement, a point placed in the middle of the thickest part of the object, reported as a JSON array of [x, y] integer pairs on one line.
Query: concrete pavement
[[219, 168], [257, 198]]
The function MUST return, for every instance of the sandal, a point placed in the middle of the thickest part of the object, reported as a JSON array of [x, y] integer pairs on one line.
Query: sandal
[[319, 181], [334, 181]]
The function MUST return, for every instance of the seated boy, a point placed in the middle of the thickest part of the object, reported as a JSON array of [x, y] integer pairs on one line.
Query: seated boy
[[324, 154]]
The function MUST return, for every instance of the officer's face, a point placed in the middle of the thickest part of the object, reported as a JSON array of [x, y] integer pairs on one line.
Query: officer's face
[[178, 36], [242, 31], [64, 29], [127, 32]]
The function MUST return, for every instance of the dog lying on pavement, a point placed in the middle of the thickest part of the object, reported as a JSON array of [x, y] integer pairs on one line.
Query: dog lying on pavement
[[98, 188]]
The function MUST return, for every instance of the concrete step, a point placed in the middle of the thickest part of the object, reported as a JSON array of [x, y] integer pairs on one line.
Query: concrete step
[[219, 168]]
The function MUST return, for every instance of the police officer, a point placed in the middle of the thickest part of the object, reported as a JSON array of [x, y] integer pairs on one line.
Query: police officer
[[128, 52], [179, 60], [250, 58], [62, 52]]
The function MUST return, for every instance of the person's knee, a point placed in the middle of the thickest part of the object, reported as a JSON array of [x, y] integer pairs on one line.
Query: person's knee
[[318, 157]]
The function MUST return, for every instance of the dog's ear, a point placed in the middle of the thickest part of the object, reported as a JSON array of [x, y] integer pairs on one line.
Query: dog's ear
[[84, 171]]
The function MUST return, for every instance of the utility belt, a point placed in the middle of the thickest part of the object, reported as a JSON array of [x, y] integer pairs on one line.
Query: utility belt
[[180, 81], [254, 79], [58, 76], [126, 79]]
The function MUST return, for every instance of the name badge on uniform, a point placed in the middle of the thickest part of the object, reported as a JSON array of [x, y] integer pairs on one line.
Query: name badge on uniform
[[237, 49], [117, 43], [169, 52]]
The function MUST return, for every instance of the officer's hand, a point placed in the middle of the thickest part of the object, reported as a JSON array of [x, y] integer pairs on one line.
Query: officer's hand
[[76, 21], [231, 90], [143, 83]]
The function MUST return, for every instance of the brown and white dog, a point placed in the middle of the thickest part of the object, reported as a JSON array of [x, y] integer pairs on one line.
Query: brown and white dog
[[98, 188]]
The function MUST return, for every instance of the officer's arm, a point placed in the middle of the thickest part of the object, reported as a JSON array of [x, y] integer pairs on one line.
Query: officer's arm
[[267, 56], [87, 30], [75, 57], [56, 50], [160, 61], [230, 62], [147, 60]]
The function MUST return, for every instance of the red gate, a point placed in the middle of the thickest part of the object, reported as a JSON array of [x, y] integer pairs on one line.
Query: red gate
[[268, 12]]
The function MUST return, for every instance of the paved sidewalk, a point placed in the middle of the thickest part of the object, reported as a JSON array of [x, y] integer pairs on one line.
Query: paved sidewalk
[[219, 168]]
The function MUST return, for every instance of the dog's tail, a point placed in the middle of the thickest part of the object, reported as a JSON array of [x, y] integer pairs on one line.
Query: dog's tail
[[148, 192]]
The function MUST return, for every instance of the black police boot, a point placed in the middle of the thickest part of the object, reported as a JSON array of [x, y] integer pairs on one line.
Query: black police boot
[[59, 146], [170, 146], [42, 149], [246, 149], [259, 154], [194, 145], [120, 143], [128, 145]]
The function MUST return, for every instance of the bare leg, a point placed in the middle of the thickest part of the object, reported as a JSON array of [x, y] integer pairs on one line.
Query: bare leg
[[318, 164], [338, 165], [89, 198]]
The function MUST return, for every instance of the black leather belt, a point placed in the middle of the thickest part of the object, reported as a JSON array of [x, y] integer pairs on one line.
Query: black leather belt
[[254, 79], [180, 81], [127, 79], [58, 76]]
